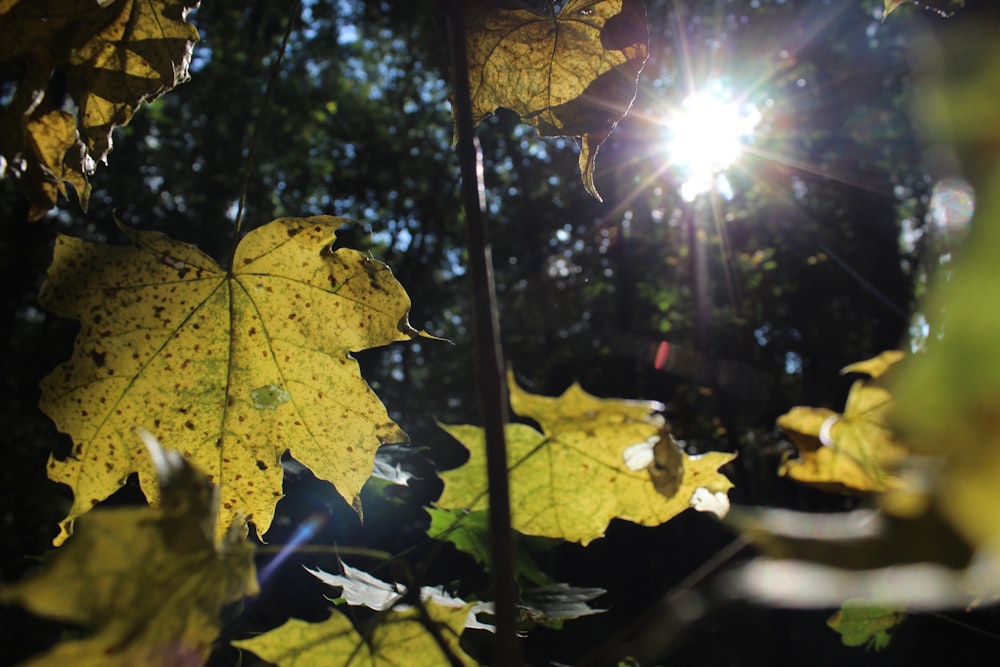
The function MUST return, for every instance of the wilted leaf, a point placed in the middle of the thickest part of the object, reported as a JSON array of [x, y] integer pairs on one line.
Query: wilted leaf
[[362, 589], [229, 368], [572, 74], [554, 603], [855, 451], [114, 56], [859, 622], [149, 581], [570, 480], [399, 638]]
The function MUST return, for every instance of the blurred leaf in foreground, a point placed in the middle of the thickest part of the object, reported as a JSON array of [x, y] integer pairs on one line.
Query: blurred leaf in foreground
[[150, 581], [853, 451]]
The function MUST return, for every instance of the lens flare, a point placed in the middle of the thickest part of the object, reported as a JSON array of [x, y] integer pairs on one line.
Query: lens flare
[[706, 136]]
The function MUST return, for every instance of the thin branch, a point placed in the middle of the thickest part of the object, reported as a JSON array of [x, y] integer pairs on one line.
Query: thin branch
[[252, 150], [492, 384]]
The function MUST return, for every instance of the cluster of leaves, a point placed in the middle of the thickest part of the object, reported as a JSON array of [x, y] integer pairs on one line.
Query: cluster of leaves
[[100, 59], [232, 368]]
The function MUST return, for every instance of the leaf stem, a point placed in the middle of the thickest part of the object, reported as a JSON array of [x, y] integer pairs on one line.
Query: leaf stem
[[492, 385], [254, 136]]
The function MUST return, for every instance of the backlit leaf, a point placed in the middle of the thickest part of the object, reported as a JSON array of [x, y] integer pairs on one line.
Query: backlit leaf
[[940, 7], [399, 638], [229, 368], [853, 451], [571, 479], [362, 589], [949, 396], [114, 56], [863, 623], [572, 74], [150, 582], [470, 532]]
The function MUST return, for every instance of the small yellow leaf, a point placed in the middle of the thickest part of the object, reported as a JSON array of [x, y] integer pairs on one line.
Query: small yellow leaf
[[891, 6], [939, 7], [399, 638], [571, 479], [229, 368], [876, 366], [855, 451], [572, 74], [150, 581]]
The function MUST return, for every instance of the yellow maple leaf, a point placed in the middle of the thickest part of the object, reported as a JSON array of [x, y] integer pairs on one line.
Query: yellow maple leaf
[[229, 368], [399, 638], [571, 479], [572, 74], [114, 55], [853, 451], [149, 581]]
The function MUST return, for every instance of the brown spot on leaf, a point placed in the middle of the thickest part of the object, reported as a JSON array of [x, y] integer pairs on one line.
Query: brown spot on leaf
[[261, 465]]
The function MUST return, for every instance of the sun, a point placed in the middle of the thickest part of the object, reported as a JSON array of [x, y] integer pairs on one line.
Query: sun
[[705, 136]]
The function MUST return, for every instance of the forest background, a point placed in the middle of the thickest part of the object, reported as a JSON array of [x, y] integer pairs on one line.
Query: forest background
[[826, 239]]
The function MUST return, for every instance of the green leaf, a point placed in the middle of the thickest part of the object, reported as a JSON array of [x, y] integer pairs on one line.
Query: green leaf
[[862, 623], [469, 532]]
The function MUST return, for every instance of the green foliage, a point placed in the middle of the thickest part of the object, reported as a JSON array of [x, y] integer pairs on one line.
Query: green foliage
[[469, 532], [859, 623]]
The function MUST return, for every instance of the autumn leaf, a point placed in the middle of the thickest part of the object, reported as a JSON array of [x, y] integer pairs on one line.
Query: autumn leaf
[[862, 623], [150, 581], [398, 638], [940, 7], [232, 369], [853, 451], [571, 479], [572, 74], [114, 56]]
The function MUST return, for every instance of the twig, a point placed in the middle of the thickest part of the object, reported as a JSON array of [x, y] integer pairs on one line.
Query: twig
[[252, 150], [490, 367]]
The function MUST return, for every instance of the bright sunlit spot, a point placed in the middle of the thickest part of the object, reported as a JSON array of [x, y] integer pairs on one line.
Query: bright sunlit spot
[[706, 135]]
